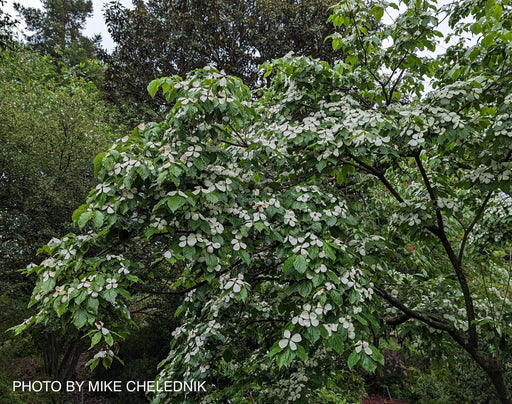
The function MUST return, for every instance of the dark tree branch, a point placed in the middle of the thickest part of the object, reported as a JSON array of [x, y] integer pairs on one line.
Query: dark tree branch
[[398, 320], [430, 319], [477, 217], [379, 174], [439, 231]]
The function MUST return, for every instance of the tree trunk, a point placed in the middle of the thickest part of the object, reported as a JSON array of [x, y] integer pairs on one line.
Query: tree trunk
[[498, 380], [61, 356], [495, 370]]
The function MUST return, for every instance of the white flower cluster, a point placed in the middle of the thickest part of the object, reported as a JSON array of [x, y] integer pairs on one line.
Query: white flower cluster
[[158, 222], [348, 325], [289, 218], [111, 283], [301, 244], [103, 354], [290, 340], [236, 284], [340, 209], [237, 242], [100, 326], [190, 240], [126, 166], [363, 346], [307, 318], [350, 279], [448, 203]]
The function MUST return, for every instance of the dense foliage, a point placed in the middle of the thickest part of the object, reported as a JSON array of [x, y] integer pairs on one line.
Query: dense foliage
[[166, 37], [50, 127], [51, 124], [56, 29], [6, 25], [302, 225]]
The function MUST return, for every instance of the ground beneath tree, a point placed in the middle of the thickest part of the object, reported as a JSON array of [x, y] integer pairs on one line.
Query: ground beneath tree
[[376, 399]]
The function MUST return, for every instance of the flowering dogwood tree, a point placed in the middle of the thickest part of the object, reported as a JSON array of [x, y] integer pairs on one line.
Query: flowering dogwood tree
[[303, 219]]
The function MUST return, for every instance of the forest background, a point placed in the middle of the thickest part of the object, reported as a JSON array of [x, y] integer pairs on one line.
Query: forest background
[[64, 99]]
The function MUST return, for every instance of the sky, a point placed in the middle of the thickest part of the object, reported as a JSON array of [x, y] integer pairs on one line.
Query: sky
[[95, 25]]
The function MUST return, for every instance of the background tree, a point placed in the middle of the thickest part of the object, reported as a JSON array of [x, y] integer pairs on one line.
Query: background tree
[[51, 125], [57, 29], [166, 37], [7, 23], [298, 225]]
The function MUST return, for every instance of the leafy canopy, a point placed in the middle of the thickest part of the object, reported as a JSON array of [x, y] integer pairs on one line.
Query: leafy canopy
[[166, 37], [52, 125], [56, 29], [7, 23], [300, 223]]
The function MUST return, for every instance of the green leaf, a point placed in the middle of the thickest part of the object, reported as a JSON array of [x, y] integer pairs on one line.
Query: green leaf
[[175, 170], [378, 12], [95, 339], [377, 356], [98, 218], [259, 226], [245, 256], [199, 163], [107, 362], [211, 260], [488, 39], [81, 296], [323, 331], [300, 264], [321, 165], [189, 252], [329, 252], [119, 359], [109, 339], [288, 264], [332, 276], [313, 251], [143, 171], [92, 305], [84, 218], [242, 295], [367, 363], [60, 308], [336, 342], [93, 363], [128, 180], [351, 60], [353, 296], [110, 295], [301, 353], [124, 293], [285, 358], [175, 202], [212, 197], [97, 163], [80, 318], [132, 278], [313, 334], [179, 310], [48, 285], [360, 319], [304, 288], [153, 87], [353, 359]]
